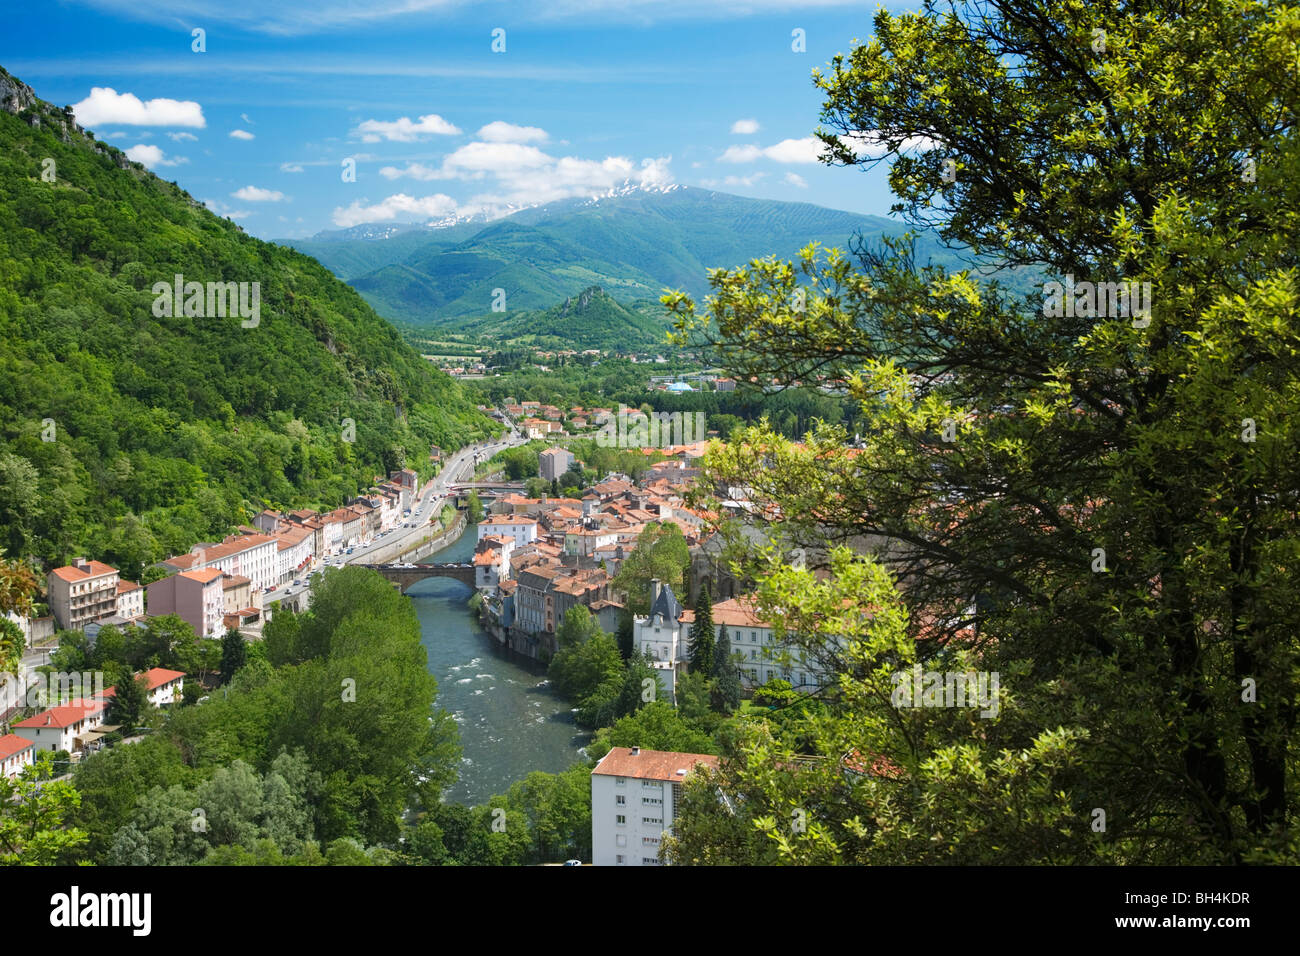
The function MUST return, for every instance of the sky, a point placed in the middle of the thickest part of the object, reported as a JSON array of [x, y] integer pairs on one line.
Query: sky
[[447, 107]]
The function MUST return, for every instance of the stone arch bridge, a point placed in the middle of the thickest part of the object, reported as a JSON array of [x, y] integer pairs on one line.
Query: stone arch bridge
[[404, 577]]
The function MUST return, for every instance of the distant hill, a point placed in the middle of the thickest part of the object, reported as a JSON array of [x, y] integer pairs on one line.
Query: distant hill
[[632, 245], [126, 433], [590, 319]]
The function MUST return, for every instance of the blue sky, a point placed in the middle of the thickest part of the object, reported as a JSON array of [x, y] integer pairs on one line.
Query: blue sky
[[586, 95]]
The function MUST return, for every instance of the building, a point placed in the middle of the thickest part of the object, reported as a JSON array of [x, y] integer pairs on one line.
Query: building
[[753, 640], [165, 686], [252, 555], [663, 636], [521, 528], [66, 727], [196, 596], [82, 592], [15, 753], [634, 798], [553, 462], [130, 599]]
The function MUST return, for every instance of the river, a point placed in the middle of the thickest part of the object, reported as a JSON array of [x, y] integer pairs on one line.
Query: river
[[510, 720]]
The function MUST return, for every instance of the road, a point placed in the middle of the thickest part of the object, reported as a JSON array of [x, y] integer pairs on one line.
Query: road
[[459, 467]]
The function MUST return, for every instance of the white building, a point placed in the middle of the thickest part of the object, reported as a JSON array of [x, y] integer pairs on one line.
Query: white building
[[520, 527], [754, 642], [295, 549], [661, 634], [634, 798], [492, 561], [60, 727], [253, 555], [15, 753], [165, 686], [130, 599]]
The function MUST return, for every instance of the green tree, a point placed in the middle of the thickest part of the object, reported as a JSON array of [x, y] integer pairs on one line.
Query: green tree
[[660, 554], [578, 670], [656, 726], [475, 507], [34, 814], [625, 634], [1097, 488], [234, 651], [726, 675], [701, 635], [131, 705]]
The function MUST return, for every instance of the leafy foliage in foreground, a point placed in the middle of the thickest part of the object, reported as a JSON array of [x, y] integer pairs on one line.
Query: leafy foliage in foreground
[[1101, 509]]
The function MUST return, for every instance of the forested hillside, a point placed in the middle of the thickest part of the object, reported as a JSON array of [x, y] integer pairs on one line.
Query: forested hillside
[[129, 435]]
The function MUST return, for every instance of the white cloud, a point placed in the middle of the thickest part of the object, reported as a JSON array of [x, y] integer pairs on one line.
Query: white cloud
[[745, 127], [290, 167], [794, 179], [726, 181], [500, 132], [106, 105], [521, 175], [740, 154], [221, 209], [244, 117], [427, 207], [240, 134], [402, 130], [804, 150], [873, 145], [119, 134], [256, 194], [180, 137], [415, 171], [152, 156]]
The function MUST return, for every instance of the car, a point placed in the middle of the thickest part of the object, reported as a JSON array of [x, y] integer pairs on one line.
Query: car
[[573, 863], [297, 582]]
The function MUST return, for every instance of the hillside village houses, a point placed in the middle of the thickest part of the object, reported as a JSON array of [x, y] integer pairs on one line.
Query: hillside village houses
[[78, 725], [220, 585]]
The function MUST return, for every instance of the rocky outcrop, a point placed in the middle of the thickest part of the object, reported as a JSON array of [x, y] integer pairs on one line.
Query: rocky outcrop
[[15, 95]]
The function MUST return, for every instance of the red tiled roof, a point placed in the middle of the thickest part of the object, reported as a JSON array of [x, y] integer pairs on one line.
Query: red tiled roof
[[65, 715], [11, 744], [72, 575], [203, 576], [651, 764]]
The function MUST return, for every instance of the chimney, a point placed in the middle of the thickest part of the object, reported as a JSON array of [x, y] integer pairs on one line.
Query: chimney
[[636, 751], [81, 564], [655, 587]]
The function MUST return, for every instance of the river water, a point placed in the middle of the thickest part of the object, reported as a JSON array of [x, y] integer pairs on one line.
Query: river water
[[510, 720]]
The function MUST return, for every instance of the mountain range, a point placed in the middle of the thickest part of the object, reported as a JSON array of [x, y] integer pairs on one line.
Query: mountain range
[[633, 244]]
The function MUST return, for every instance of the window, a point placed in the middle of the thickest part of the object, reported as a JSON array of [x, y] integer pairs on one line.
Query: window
[[620, 781], [620, 839], [753, 653], [658, 820], [620, 799], [753, 638], [753, 673], [651, 800], [620, 820], [649, 861], [620, 859]]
